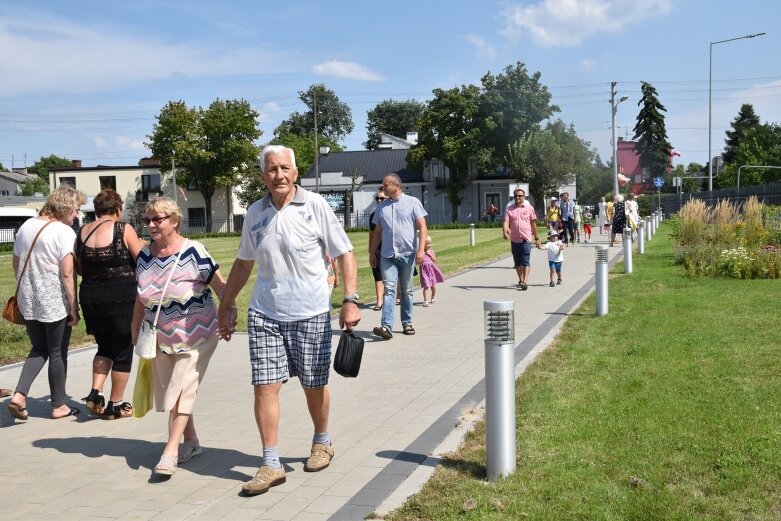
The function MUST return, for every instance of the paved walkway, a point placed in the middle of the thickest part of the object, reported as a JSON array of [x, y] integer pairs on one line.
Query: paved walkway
[[412, 402]]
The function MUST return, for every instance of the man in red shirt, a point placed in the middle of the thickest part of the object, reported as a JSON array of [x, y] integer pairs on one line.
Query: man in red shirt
[[519, 226]]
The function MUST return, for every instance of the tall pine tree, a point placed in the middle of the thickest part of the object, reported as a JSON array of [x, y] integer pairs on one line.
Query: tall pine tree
[[745, 120], [650, 133]]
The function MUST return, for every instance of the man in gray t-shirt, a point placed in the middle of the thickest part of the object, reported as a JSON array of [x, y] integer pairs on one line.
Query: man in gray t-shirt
[[397, 219]]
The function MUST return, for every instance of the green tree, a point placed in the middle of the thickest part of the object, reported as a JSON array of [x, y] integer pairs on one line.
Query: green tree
[[392, 117], [334, 118], [651, 134], [594, 181], [35, 185], [745, 120], [512, 104], [760, 145], [213, 147], [450, 131], [44, 164]]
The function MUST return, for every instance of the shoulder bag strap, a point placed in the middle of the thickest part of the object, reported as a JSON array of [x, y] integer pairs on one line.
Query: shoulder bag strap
[[29, 253], [167, 282]]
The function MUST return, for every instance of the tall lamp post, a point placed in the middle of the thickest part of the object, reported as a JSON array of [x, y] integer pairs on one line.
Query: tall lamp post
[[614, 109], [710, 97]]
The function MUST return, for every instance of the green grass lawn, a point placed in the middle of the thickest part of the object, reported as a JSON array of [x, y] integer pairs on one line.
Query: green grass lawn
[[453, 255], [667, 408]]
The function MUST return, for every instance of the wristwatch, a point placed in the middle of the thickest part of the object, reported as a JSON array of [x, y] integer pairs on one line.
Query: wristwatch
[[352, 297]]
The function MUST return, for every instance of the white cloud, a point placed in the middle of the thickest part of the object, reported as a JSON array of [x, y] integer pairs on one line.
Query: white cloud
[[347, 70], [484, 49], [100, 142], [76, 57], [129, 143], [567, 23]]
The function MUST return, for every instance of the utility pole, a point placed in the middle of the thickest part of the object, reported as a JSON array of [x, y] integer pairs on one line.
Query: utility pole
[[317, 149], [173, 173]]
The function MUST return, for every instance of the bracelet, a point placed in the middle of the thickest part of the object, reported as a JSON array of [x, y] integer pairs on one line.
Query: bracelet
[[350, 301]]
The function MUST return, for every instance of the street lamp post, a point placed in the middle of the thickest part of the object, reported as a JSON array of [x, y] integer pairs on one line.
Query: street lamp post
[[613, 107], [710, 97]]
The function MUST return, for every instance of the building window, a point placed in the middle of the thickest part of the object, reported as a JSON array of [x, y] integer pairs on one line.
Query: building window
[[435, 169], [646, 174], [108, 181], [68, 181], [196, 217], [150, 186], [4, 192]]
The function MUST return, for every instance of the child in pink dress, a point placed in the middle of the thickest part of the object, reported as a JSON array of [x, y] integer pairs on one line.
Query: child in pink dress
[[430, 274]]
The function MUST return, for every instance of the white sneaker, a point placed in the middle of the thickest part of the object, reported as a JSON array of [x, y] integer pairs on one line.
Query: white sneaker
[[433, 300], [425, 304]]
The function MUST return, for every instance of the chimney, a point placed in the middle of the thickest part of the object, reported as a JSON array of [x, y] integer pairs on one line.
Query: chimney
[[76, 163], [149, 162]]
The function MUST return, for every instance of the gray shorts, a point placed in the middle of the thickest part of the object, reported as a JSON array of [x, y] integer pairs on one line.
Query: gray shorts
[[280, 350]]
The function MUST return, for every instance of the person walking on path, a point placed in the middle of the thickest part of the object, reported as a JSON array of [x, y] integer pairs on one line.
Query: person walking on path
[[43, 263], [553, 215], [430, 274], [567, 218], [187, 327], [397, 218], [287, 234], [106, 252], [555, 249], [619, 218], [578, 220], [588, 218], [379, 288], [519, 226], [602, 215]]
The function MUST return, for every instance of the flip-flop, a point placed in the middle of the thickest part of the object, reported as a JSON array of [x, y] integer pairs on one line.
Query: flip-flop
[[377, 308], [73, 412], [5, 393], [20, 413], [409, 330]]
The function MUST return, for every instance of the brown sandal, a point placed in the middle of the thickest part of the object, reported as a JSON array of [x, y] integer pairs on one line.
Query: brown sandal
[[409, 330]]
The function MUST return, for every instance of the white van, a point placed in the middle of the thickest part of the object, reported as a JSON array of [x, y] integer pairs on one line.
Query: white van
[[11, 218]]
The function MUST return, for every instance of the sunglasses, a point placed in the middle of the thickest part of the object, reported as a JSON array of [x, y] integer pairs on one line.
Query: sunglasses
[[156, 220], [521, 195], [380, 198]]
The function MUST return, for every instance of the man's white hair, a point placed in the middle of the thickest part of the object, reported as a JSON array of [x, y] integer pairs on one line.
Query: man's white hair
[[275, 149]]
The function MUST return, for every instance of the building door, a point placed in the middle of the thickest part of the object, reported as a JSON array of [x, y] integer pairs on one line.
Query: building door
[[493, 206]]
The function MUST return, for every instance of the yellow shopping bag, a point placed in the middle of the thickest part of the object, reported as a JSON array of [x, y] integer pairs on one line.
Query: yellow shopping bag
[[143, 397]]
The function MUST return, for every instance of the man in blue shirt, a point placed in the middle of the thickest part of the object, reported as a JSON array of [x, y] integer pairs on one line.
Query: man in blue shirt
[[397, 219], [568, 218]]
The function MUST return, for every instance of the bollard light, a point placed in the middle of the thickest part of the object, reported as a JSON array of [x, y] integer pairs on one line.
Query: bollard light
[[499, 388], [627, 250], [601, 279], [649, 228], [641, 237], [471, 234]]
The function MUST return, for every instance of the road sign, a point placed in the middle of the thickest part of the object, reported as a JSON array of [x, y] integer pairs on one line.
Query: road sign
[[677, 181], [658, 182]]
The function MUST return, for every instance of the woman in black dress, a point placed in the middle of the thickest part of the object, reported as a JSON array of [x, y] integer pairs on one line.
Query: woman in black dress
[[619, 218], [106, 252]]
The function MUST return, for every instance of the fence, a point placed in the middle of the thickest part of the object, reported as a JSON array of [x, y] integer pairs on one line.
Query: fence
[[769, 194]]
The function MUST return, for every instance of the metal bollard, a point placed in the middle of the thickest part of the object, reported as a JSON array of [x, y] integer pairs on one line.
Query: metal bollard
[[499, 388], [649, 228], [471, 235], [627, 250], [600, 268], [641, 237]]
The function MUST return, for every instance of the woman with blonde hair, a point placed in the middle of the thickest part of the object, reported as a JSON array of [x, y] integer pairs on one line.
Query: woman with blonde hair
[[44, 268], [187, 324]]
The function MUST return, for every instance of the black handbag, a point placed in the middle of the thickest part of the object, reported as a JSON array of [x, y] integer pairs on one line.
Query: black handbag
[[347, 361]]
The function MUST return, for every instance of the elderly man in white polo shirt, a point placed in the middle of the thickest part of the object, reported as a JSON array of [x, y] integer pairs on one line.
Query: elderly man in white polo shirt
[[287, 234]]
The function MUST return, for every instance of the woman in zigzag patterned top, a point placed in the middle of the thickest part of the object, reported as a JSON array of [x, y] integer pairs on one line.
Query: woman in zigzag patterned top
[[187, 332]]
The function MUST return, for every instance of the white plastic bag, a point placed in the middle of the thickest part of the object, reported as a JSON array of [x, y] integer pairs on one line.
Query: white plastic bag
[[146, 344]]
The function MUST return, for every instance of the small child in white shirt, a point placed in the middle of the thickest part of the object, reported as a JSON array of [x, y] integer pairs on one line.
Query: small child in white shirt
[[555, 256]]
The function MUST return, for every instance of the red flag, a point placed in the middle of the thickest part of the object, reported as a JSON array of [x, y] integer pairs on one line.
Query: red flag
[[674, 153], [181, 192]]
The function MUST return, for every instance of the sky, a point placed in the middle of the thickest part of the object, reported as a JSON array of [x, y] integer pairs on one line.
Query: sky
[[85, 79]]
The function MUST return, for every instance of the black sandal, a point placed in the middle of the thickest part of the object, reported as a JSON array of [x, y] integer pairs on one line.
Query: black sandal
[[409, 330], [96, 403], [119, 410]]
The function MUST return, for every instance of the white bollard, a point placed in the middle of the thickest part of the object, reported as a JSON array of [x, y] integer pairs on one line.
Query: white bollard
[[641, 237], [627, 250], [601, 279], [499, 388], [472, 235]]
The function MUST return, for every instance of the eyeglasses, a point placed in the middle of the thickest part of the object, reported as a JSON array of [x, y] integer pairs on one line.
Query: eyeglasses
[[156, 220], [378, 199], [520, 195]]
